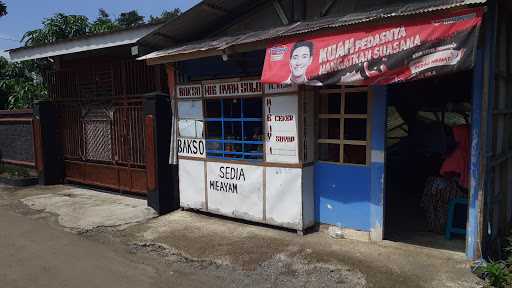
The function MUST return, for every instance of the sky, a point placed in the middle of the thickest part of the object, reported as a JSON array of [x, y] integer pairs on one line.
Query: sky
[[25, 15]]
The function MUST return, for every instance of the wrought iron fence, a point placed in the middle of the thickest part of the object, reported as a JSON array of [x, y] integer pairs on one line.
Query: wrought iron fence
[[111, 132]]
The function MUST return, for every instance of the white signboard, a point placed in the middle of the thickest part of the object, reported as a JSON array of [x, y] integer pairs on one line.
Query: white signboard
[[189, 91], [280, 88], [281, 129], [191, 147], [191, 128], [190, 109], [235, 190], [242, 88]]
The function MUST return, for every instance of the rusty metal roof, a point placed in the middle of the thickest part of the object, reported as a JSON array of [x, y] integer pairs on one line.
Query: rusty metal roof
[[217, 46]]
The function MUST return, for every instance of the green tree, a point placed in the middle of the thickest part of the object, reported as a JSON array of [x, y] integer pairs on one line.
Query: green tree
[[3, 9], [130, 19], [4, 94], [165, 16], [103, 23], [58, 27], [20, 84]]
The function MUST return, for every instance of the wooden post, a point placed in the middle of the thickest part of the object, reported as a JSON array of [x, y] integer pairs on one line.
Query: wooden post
[[173, 157], [483, 89]]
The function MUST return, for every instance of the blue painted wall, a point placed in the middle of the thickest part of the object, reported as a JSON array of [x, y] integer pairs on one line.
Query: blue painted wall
[[351, 196], [378, 146], [472, 227], [342, 195]]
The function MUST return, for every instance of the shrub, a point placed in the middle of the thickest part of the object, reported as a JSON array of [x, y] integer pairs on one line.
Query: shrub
[[496, 273]]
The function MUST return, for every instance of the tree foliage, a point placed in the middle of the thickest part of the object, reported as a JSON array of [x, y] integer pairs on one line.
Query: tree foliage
[[62, 26], [3, 9], [103, 23], [20, 84], [58, 27], [165, 16], [130, 19]]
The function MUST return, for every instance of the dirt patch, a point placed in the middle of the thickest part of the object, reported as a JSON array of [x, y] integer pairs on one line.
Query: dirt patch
[[251, 248], [283, 270], [83, 210]]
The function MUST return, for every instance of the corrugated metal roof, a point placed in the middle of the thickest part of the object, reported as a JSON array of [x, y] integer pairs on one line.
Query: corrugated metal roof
[[397, 8], [82, 44], [200, 20]]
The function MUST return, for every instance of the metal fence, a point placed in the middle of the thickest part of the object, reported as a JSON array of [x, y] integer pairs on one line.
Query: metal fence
[[108, 133]]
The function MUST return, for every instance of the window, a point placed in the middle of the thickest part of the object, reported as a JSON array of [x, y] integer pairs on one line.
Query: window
[[343, 125], [234, 128], [190, 113]]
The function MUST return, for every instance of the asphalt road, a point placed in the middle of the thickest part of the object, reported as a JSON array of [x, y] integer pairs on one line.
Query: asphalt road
[[35, 254]]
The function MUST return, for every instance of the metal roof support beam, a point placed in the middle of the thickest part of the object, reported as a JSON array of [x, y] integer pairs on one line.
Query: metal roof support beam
[[209, 53], [183, 57], [280, 12], [327, 8]]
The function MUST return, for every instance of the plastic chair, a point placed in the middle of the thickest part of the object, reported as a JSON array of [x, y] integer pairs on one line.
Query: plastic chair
[[450, 229]]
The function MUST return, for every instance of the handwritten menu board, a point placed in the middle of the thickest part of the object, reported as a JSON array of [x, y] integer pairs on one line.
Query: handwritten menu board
[[281, 129]]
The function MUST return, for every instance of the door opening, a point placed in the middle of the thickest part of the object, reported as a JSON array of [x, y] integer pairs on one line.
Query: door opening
[[427, 161]]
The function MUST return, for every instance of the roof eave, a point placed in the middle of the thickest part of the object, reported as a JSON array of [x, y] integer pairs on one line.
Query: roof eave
[[239, 44], [89, 43]]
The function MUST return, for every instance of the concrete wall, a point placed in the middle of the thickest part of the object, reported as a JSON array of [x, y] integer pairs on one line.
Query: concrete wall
[[16, 142], [16, 136]]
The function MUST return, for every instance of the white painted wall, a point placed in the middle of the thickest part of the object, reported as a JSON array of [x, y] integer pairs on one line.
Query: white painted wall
[[284, 199], [192, 185], [247, 201]]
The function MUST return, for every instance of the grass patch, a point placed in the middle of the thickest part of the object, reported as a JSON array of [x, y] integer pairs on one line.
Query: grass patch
[[14, 172]]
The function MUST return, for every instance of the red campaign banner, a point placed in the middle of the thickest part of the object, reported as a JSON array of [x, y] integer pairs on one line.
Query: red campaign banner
[[388, 54]]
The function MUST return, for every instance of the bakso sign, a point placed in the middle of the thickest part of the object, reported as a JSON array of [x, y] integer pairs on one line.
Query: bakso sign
[[191, 147], [189, 91], [409, 50]]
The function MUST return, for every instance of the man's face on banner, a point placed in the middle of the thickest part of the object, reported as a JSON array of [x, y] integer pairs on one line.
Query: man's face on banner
[[300, 61]]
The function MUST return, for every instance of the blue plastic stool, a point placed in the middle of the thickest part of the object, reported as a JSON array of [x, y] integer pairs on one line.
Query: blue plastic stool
[[451, 215]]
